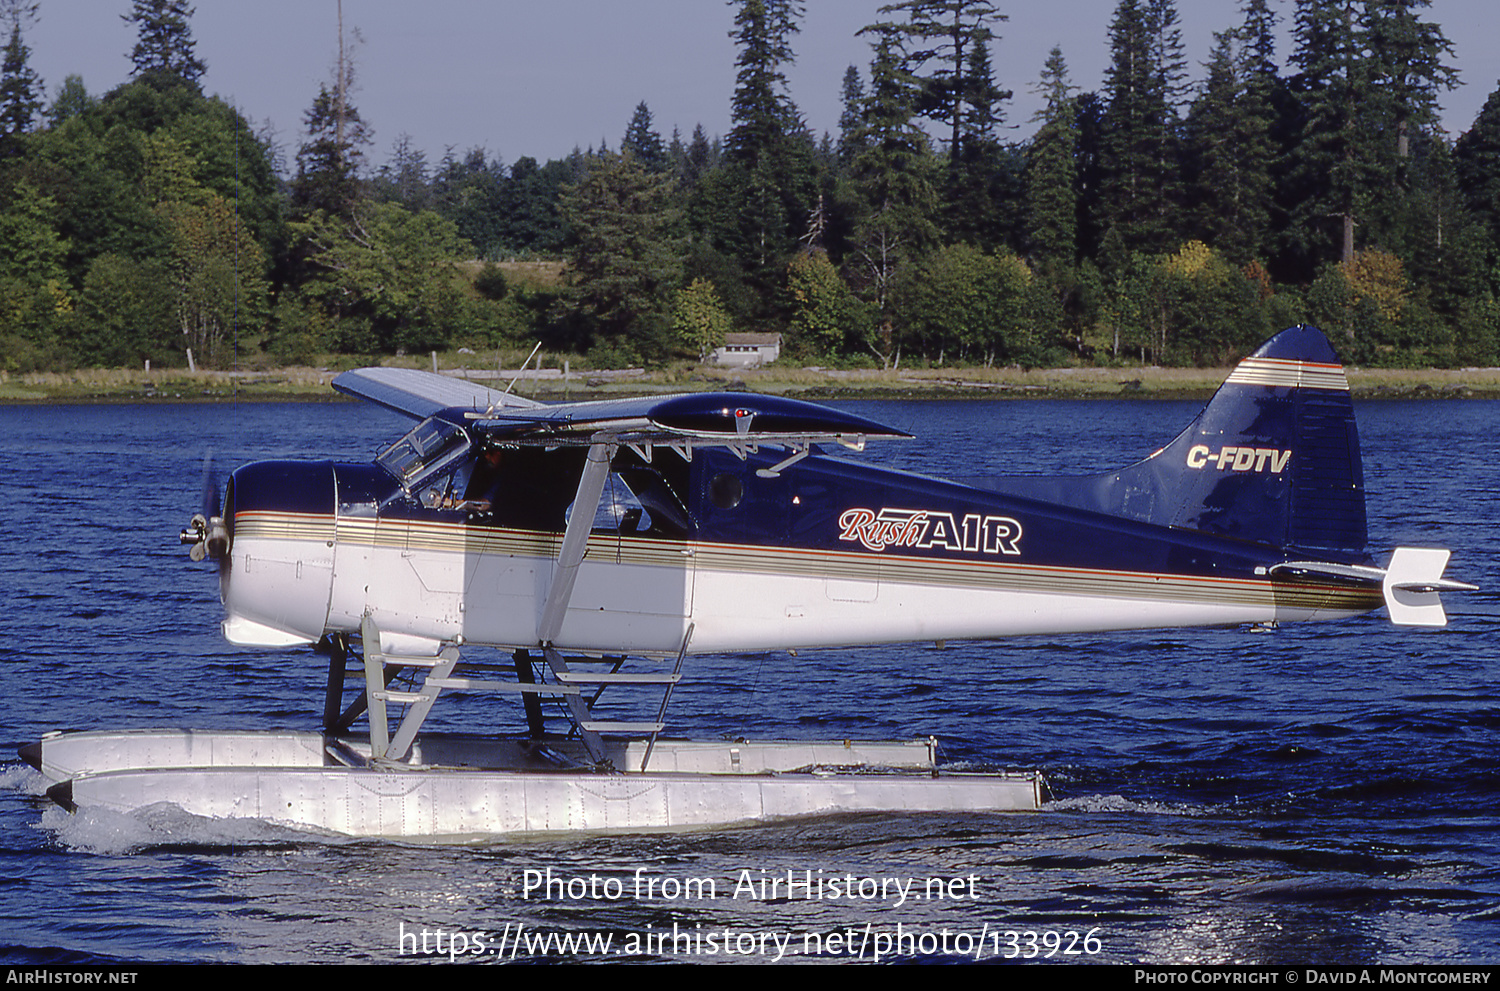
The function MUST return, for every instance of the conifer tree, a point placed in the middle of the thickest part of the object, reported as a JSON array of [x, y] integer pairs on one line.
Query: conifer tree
[[165, 43], [642, 141], [1091, 158], [676, 152], [892, 174], [699, 159], [1051, 169], [1409, 53], [1230, 151], [761, 110], [769, 183], [622, 263], [1443, 246], [853, 96], [1166, 53], [1258, 35], [983, 186], [20, 86], [329, 162], [1263, 95], [1170, 66], [939, 38], [1477, 162], [72, 98], [1335, 159], [1139, 165], [403, 179], [982, 113]]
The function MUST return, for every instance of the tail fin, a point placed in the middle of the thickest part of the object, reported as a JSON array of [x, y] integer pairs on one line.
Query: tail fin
[[1273, 458]]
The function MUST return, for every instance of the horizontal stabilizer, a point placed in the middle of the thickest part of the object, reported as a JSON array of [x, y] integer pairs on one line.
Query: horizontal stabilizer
[[1412, 583]]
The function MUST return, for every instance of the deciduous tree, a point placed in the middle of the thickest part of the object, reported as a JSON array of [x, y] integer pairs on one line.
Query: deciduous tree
[[827, 319], [961, 303], [388, 273], [698, 318]]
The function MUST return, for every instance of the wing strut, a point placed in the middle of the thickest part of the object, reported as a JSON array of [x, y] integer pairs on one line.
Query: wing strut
[[575, 540], [574, 545]]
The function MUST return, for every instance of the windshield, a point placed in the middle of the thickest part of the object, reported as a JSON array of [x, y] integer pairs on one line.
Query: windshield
[[431, 446]]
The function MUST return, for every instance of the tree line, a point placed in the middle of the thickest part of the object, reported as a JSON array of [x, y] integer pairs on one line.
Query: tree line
[[1163, 218]]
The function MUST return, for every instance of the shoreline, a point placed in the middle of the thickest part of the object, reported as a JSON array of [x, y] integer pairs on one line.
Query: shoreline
[[1147, 382]]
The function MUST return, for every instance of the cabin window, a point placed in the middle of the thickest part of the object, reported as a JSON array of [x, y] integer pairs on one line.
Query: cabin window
[[656, 489], [726, 490], [619, 510]]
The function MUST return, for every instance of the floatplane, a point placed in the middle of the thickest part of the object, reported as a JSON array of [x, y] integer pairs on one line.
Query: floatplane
[[579, 535]]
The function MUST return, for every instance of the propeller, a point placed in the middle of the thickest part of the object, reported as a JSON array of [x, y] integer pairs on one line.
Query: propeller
[[206, 532]]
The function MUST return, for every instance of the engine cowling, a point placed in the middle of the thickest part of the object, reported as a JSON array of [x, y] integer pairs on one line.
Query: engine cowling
[[277, 573]]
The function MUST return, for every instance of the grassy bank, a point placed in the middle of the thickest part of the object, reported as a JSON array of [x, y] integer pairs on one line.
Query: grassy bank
[[179, 385]]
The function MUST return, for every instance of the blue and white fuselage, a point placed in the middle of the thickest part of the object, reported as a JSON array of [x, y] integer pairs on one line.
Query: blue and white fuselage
[[722, 514]]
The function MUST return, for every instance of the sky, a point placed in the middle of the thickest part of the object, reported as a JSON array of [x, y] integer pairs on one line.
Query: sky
[[540, 77]]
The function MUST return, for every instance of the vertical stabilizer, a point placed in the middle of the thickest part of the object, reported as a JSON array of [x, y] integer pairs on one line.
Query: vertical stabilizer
[[1273, 458]]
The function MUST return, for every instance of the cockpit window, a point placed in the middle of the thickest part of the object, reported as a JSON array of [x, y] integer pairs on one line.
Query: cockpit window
[[431, 448]]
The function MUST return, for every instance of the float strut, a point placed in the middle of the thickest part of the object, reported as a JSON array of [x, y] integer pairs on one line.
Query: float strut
[[527, 676], [338, 661]]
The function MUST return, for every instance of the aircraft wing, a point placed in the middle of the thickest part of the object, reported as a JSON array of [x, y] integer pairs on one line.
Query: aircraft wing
[[715, 418], [419, 394]]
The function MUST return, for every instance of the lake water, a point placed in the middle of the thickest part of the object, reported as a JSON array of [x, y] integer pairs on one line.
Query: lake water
[[1326, 793]]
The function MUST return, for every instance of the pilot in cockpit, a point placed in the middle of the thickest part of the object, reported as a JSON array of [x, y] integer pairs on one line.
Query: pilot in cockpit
[[485, 484]]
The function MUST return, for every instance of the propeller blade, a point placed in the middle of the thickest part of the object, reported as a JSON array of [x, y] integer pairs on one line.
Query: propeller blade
[[210, 498]]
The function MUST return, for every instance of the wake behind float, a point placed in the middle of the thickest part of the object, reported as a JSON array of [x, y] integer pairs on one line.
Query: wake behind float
[[578, 535]]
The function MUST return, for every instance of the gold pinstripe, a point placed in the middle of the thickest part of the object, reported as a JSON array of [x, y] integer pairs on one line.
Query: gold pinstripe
[[1290, 373], [743, 559]]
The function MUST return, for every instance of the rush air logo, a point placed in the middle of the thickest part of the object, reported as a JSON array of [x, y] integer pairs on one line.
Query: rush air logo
[[924, 529], [1238, 458]]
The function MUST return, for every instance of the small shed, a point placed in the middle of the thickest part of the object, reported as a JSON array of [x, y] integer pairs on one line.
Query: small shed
[[748, 350]]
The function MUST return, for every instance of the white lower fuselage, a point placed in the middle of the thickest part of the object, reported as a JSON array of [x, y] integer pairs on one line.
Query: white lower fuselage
[[292, 577]]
